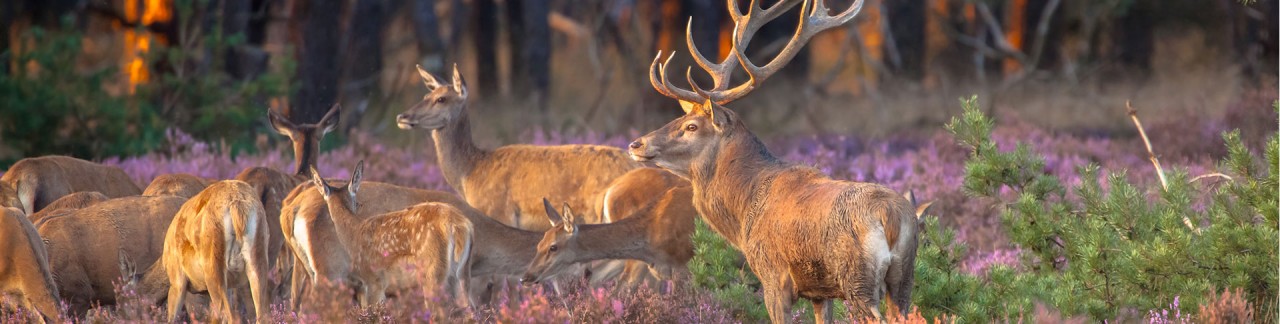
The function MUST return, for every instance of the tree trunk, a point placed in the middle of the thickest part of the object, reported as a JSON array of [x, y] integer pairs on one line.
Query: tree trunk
[[318, 68], [247, 60], [518, 80], [536, 51], [907, 23], [368, 20], [485, 27], [1134, 39], [426, 28], [1050, 54]]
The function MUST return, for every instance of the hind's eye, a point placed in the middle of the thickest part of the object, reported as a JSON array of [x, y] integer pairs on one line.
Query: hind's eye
[[691, 128], [553, 248], [440, 100]]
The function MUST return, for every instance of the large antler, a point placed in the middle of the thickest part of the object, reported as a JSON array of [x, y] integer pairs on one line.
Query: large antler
[[813, 19]]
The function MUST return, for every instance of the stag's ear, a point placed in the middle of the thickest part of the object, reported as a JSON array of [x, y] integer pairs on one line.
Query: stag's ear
[[459, 84], [356, 177], [718, 115], [330, 119], [688, 106], [910, 196], [570, 221], [321, 185], [279, 123], [552, 215], [922, 210], [429, 80]]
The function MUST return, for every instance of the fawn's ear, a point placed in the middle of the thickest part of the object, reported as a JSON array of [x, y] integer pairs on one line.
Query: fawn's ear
[[429, 80], [281, 124], [459, 84], [552, 215], [357, 177], [330, 120], [321, 185]]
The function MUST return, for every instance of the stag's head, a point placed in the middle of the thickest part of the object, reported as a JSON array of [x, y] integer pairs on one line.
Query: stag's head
[[706, 122], [441, 106], [556, 248], [305, 137], [344, 196]]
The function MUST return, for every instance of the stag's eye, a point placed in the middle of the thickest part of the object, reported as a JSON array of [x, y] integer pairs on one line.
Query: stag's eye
[[440, 100], [691, 127], [553, 248]]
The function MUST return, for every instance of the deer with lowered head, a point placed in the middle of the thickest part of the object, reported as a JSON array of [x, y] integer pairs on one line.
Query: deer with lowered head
[[66, 204], [176, 184], [217, 243], [25, 276], [33, 183], [508, 182], [804, 234], [430, 241]]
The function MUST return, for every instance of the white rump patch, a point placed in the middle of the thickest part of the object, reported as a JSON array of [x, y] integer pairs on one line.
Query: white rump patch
[[304, 242]]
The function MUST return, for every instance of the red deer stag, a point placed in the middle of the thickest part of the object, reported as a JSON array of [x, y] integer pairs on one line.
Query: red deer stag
[[25, 278], [217, 244], [508, 182], [37, 182], [430, 241], [804, 234]]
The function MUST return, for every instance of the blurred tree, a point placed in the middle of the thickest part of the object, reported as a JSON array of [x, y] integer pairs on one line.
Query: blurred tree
[[426, 29], [364, 37], [907, 23], [535, 51], [485, 34], [318, 61]]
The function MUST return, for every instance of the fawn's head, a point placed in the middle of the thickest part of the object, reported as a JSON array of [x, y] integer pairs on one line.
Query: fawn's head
[[344, 196], [441, 106], [556, 248]]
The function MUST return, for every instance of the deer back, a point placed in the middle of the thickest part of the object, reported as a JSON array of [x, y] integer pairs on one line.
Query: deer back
[[40, 181]]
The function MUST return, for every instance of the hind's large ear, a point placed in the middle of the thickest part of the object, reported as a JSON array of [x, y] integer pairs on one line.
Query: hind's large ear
[[459, 84], [570, 221], [552, 215], [330, 119], [429, 80], [281, 124], [357, 177]]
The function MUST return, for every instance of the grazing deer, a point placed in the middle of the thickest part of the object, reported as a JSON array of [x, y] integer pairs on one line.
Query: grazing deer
[[217, 243], [66, 204], [658, 234], [176, 184], [804, 234], [24, 270], [85, 244], [432, 239], [506, 183], [37, 182]]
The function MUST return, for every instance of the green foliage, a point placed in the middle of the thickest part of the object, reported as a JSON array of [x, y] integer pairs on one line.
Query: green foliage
[[719, 268], [1110, 246], [942, 289], [49, 106]]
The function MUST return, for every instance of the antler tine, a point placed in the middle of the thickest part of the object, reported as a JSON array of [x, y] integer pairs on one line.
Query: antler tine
[[658, 78], [688, 75], [720, 72]]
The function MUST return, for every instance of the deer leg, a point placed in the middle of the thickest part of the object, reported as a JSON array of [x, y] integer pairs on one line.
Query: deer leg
[[778, 297], [177, 292], [822, 311], [297, 283], [259, 285]]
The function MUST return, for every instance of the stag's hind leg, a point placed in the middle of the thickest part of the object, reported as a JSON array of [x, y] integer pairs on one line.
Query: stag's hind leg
[[899, 280]]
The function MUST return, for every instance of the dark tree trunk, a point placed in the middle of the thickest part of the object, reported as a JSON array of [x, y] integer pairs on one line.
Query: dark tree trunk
[[426, 28], [485, 27], [706, 25], [515, 23], [318, 61], [907, 23], [245, 61], [1050, 55], [1135, 38], [369, 18], [780, 31], [536, 50]]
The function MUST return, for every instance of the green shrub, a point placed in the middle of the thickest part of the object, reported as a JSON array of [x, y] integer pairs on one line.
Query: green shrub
[[1096, 249]]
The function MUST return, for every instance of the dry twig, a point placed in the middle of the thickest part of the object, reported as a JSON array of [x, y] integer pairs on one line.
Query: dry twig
[[1133, 114]]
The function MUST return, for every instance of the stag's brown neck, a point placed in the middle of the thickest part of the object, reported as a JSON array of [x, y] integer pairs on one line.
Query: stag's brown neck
[[624, 239], [730, 181], [456, 151], [501, 249]]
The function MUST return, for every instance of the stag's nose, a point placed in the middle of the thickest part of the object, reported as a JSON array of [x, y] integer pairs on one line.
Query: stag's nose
[[636, 145]]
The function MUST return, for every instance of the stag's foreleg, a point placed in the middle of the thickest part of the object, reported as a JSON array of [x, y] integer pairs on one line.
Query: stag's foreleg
[[779, 294], [822, 311]]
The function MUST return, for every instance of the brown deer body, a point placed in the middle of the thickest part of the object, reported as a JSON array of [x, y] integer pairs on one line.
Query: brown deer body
[[25, 275], [658, 234], [217, 243], [86, 244], [66, 204], [507, 183], [432, 239], [176, 184], [804, 234], [37, 182]]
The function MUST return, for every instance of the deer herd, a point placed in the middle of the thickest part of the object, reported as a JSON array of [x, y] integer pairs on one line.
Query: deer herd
[[73, 232]]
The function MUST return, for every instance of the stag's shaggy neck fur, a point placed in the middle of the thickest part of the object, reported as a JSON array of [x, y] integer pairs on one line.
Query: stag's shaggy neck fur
[[738, 161], [457, 151]]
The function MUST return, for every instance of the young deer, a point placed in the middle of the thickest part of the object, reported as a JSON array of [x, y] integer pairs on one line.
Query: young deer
[[433, 239], [506, 183], [24, 272], [658, 234], [84, 244], [217, 243], [176, 184], [804, 234], [33, 183]]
